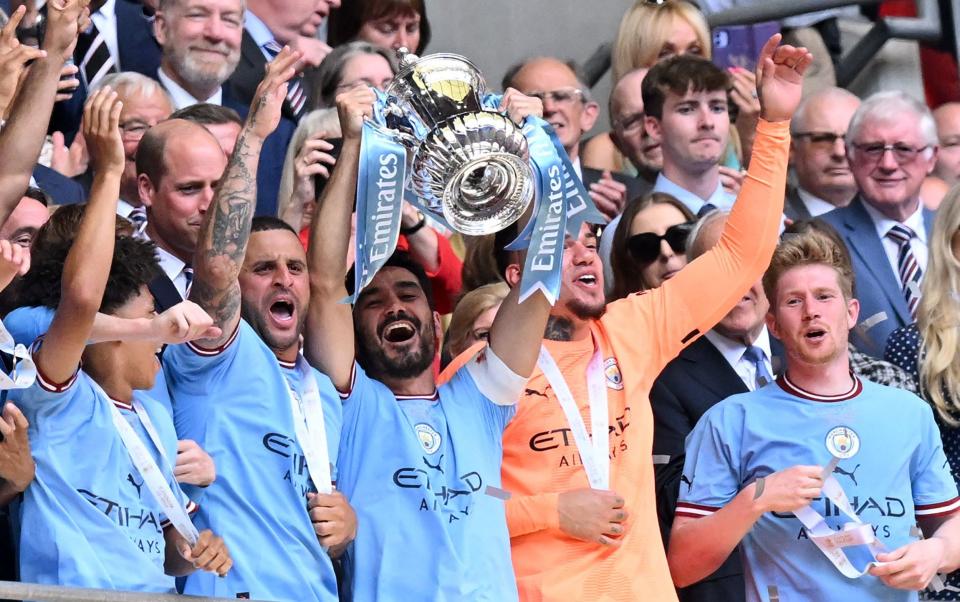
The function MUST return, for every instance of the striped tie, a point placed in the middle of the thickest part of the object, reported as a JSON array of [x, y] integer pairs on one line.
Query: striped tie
[[295, 93], [188, 276], [93, 57], [138, 215], [907, 266]]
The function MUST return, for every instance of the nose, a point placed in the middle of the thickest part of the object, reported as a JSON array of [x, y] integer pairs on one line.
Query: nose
[[839, 149], [206, 199], [282, 277], [887, 161], [706, 119], [582, 254], [666, 251], [213, 29], [402, 39]]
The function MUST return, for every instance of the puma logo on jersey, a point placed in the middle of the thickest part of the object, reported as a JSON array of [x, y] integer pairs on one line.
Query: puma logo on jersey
[[534, 392], [437, 467], [852, 474], [684, 479], [134, 483]]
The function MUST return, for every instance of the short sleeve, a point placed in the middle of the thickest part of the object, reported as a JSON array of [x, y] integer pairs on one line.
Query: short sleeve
[[934, 490], [189, 361], [26, 324], [711, 472]]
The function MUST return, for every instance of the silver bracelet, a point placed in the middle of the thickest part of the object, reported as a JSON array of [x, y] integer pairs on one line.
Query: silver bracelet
[[759, 490]]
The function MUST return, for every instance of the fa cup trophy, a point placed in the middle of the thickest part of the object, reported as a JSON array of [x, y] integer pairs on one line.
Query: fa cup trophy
[[467, 163]]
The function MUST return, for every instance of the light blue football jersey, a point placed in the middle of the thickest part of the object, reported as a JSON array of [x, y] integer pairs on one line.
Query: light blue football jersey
[[234, 401], [416, 471], [892, 469]]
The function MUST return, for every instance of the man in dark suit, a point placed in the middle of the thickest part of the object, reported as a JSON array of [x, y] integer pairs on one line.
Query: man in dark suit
[[179, 164], [62, 190], [268, 25], [892, 147], [737, 356], [122, 30], [568, 107], [818, 154], [200, 52]]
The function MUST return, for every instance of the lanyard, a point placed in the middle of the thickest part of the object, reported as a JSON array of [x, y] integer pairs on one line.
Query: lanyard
[[595, 454], [308, 423], [147, 467], [24, 370]]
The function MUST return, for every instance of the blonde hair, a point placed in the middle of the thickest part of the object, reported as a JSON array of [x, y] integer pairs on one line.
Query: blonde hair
[[468, 309], [324, 120], [644, 30], [938, 316], [810, 247]]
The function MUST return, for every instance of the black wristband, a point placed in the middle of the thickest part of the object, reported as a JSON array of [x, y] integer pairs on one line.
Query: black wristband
[[414, 228]]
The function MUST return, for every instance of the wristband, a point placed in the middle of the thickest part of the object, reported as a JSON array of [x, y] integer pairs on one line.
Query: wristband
[[414, 228], [759, 490]]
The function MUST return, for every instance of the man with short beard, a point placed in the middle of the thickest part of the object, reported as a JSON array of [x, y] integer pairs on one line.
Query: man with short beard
[[775, 470], [270, 421], [582, 518], [417, 461], [201, 48]]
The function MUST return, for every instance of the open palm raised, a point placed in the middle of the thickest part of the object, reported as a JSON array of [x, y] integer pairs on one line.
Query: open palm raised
[[780, 72]]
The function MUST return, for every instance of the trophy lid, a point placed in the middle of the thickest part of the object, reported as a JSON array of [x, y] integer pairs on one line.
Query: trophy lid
[[442, 65]]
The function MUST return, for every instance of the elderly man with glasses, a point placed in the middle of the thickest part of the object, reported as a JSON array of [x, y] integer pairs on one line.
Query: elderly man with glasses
[[891, 146], [819, 156], [569, 108]]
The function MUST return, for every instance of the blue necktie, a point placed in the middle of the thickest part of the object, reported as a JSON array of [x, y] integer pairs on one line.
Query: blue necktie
[[707, 208], [755, 354]]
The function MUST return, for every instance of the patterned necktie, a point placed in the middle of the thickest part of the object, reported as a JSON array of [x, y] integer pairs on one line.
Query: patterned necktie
[[296, 95], [907, 266], [93, 56], [188, 276], [755, 355], [138, 215]]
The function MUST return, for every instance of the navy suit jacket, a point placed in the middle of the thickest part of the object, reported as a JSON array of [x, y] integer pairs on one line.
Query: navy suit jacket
[[688, 386], [272, 156], [877, 285], [63, 190], [139, 52], [249, 73]]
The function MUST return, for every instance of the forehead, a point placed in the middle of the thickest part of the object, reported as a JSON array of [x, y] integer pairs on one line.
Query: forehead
[[544, 74], [136, 104], [808, 277], [832, 114], [627, 97], [274, 245], [222, 6], [391, 276], [29, 213], [696, 96], [904, 128], [194, 154], [948, 119], [364, 63]]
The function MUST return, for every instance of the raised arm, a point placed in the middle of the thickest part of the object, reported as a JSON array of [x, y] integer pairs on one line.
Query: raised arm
[[329, 343], [226, 228], [749, 236], [22, 136], [87, 266]]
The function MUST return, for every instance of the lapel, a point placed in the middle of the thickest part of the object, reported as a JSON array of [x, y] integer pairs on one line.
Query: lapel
[[864, 242], [708, 367], [165, 294], [794, 207]]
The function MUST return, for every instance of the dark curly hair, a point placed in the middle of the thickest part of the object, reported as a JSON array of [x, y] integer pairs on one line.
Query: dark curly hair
[[134, 265]]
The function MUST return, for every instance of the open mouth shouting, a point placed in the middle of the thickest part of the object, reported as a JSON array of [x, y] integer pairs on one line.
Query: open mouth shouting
[[398, 330], [815, 335], [282, 312]]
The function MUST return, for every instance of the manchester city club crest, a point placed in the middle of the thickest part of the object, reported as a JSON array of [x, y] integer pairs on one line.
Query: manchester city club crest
[[612, 371], [843, 442], [428, 436]]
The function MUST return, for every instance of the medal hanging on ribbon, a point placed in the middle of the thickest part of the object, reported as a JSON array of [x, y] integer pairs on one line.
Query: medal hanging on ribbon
[[594, 447], [24, 371], [310, 428]]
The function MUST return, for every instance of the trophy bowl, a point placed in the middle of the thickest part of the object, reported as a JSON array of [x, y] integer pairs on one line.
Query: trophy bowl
[[469, 164]]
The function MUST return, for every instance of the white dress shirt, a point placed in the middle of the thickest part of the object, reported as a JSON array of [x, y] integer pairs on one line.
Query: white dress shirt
[[173, 267], [181, 98], [814, 204], [918, 244], [733, 352], [720, 198]]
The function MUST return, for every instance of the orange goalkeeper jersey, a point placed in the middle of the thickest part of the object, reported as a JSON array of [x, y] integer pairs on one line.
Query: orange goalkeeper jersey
[[638, 336]]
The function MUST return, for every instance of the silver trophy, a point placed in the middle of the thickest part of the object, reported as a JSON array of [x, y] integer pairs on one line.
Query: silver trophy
[[466, 162]]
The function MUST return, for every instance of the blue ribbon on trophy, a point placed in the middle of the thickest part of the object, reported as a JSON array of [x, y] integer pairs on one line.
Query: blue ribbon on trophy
[[380, 192]]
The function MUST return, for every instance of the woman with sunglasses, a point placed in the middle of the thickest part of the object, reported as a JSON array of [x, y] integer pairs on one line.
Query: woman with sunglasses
[[649, 244]]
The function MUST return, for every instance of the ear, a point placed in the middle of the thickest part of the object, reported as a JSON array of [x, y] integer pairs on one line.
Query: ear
[[145, 190], [652, 125], [159, 23], [513, 274], [934, 151], [437, 330], [771, 321], [853, 312], [589, 115]]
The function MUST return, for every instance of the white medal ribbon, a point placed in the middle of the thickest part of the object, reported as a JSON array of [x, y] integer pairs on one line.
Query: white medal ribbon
[[147, 467], [595, 455], [310, 427], [24, 370], [832, 542]]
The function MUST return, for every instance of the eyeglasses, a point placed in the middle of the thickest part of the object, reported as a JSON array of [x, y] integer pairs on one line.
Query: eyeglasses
[[133, 130], [902, 153], [563, 96], [645, 247], [825, 140], [630, 124]]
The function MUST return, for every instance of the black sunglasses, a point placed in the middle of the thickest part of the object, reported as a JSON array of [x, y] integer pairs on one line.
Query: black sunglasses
[[645, 247]]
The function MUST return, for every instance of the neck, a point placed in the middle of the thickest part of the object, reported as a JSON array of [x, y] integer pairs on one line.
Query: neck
[[200, 93], [573, 152], [563, 328], [830, 379], [746, 339], [838, 197], [423, 384], [703, 183], [115, 387], [289, 354], [129, 193], [158, 240], [899, 212]]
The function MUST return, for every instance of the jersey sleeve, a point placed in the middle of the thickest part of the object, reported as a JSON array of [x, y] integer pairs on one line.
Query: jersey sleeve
[[195, 366], [26, 324], [531, 513], [934, 489], [694, 300], [45, 398], [711, 471]]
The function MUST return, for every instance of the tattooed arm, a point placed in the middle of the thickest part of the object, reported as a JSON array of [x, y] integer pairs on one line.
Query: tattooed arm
[[226, 228]]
